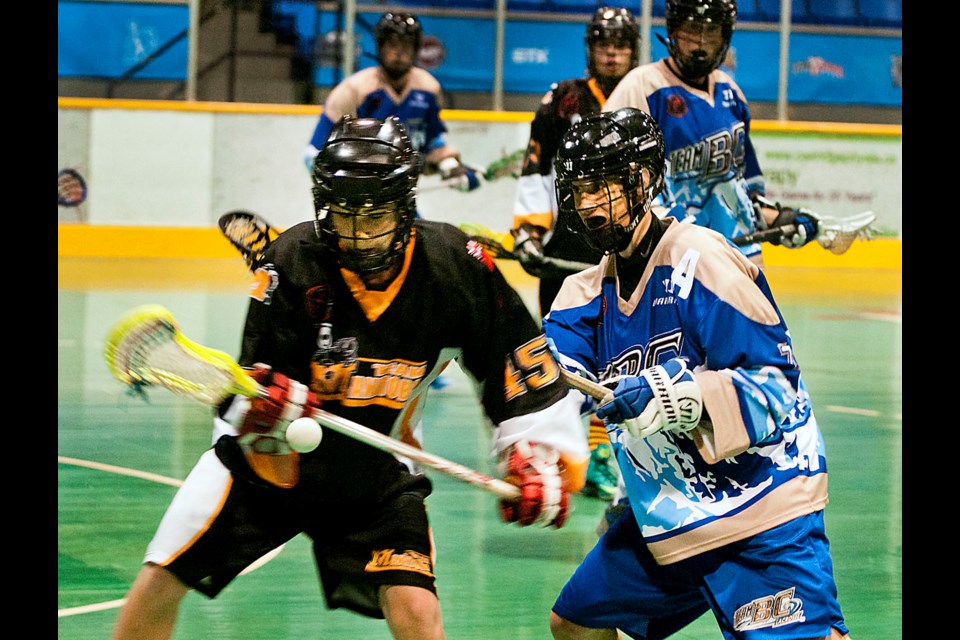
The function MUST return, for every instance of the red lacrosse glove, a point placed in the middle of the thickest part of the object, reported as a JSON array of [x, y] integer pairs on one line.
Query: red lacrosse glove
[[285, 401], [535, 468]]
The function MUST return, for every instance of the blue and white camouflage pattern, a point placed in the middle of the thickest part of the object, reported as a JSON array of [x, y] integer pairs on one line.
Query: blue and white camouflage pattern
[[760, 460]]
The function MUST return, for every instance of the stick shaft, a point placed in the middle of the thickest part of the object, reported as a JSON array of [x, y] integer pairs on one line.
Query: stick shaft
[[766, 234], [593, 389], [391, 445]]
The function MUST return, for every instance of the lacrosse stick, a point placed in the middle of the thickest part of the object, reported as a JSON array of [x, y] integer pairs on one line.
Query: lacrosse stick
[[593, 389], [506, 165], [496, 245], [836, 234], [146, 348], [71, 188], [249, 233]]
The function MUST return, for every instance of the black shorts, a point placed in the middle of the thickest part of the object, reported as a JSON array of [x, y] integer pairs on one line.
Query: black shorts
[[358, 547]]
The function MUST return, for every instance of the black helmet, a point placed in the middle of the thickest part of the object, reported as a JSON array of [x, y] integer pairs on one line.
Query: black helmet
[[613, 23], [405, 25], [722, 12], [367, 165], [606, 146]]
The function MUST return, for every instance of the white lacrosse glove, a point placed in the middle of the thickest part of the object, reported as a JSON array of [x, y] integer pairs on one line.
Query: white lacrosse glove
[[457, 175], [663, 397]]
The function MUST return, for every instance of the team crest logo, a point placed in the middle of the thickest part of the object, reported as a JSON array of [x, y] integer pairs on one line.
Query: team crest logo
[[676, 106], [569, 105], [769, 611]]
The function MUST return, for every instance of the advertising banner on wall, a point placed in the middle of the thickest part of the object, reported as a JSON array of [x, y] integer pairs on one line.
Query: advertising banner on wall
[[96, 40], [835, 175]]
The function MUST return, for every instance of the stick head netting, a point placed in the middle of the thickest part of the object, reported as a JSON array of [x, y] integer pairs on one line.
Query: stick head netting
[[249, 233], [146, 348], [837, 234]]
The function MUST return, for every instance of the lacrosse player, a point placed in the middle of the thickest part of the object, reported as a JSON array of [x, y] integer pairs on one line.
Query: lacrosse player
[[612, 49], [712, 165], [719, 450], [357, 311], [395, 87]]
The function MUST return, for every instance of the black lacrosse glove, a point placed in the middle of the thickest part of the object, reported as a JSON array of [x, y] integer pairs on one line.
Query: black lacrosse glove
[[528, 248], [805, 227]]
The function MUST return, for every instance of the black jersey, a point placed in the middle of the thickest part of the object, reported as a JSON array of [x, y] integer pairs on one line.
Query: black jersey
[[370, 355], [566, 103]]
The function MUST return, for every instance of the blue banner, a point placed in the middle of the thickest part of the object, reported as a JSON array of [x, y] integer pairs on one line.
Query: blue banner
[[104, 40], [107, 39]]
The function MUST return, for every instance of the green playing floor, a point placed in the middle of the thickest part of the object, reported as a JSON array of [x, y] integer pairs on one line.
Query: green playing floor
[[120, 460]]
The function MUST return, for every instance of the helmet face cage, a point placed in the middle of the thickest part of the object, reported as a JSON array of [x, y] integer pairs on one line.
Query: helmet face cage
[[612, 23], [366, 176], [405, 25], [605, 148], [678, 12]]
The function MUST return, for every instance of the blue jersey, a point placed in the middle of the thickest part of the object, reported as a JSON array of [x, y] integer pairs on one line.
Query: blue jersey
[[712, 166], [757, 458], [368, 94]]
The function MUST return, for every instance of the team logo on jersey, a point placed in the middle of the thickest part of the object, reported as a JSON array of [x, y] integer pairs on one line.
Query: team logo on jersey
[[387, 383], [332, 365], [677, 106], [409, 560], [476, 250], [568, 106], [265, 281], [769, 611], [319, 302]]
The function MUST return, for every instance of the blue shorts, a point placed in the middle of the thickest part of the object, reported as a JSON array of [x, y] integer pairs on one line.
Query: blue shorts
[[776, 584]]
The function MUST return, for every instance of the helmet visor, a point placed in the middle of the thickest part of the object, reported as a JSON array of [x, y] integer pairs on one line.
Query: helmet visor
[[367, 237], [604, 208]]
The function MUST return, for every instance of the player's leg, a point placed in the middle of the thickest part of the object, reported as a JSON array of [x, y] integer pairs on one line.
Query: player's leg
[[199, 544], [565, 630], [412, 613], [152, 604], [377, 560], [619, 586]]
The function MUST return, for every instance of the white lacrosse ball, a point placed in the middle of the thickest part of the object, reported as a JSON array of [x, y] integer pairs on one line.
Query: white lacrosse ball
[[304, 434]]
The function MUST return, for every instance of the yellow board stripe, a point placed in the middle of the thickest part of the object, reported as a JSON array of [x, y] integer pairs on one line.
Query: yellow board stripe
[[767, 126]]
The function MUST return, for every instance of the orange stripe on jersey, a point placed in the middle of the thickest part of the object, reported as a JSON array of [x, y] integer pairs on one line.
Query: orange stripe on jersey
[[374, 303]]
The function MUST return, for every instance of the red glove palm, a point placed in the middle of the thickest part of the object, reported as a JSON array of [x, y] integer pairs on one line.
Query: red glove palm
[[535, 469], [285, 401]]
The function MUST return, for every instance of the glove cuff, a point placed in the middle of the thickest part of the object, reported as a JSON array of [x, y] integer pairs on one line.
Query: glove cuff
[[447, 166]]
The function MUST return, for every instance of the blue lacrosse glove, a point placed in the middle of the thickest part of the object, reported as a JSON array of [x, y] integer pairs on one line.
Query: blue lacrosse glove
[[459, 176], [663, 397], [805, 227]]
